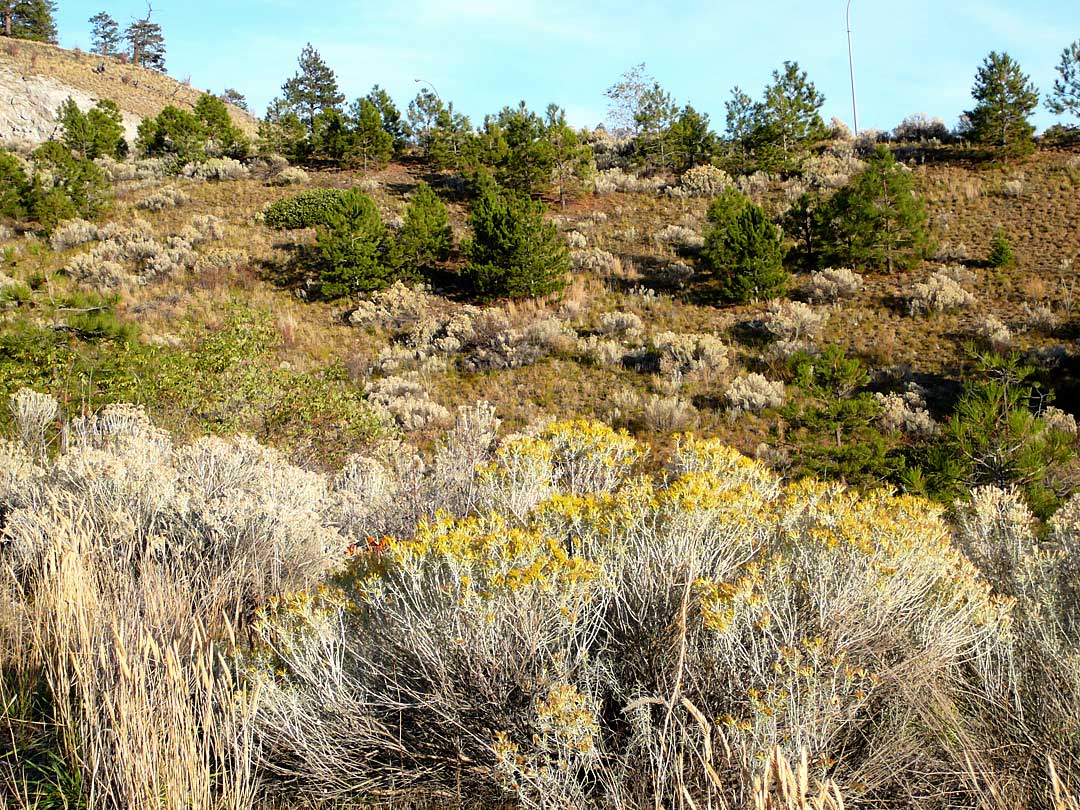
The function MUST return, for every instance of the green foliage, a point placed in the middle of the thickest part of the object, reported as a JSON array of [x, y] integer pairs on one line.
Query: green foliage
[[373, 145], [995, 436], [743, 250], [1001, 252], [13, 187], [63, 187], [809, 223], [104, 35], [832, 374], [691, 141], [572, 159], [389, 115], [308, 209], [281, 132], [1005, 98], [653, 117], [96, 133], [232, 96], [774, 134], [426, 238], [147, 44], [29, 19], [222, 135], [444, 136], [514, 252], [1065, 98], [312, 90], [227, 381], [877, 220], [174, 133], [353, 244]]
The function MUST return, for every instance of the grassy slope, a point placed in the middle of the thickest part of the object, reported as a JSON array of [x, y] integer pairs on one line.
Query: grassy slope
[[966, 204], [137, 90]]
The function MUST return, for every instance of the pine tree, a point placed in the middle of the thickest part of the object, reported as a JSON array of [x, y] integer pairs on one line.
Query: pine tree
[[514, 252], [1001, 251], [234, 97], [97, 133], [692, 142], [1006, 97], [426, 238], [29, 19], [573, 159], [147, 43], [105, 36], [314, 88], [353, 247], [333, 137], [743, 250], [529, 158], [373, 145], [1066, 95], [656, 111], [388, 113], [13, 187], [224, 136], [790, 110], [877, 220]]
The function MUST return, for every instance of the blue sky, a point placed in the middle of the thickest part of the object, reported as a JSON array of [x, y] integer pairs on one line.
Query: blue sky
[[914, 56]]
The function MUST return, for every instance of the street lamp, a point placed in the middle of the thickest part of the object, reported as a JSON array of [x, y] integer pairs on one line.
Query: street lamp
[[433, 88], [851, 66]]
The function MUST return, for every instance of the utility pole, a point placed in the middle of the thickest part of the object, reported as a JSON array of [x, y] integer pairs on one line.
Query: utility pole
[[851, 67]]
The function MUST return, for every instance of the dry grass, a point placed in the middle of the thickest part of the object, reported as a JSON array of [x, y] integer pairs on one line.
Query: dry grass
[[137, 90]]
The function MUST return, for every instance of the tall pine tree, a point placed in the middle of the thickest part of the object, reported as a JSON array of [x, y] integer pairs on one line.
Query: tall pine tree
[[877, 221], [147, 43], [105, 36], [1066, 95], [313, 90], [1006, 97], [29, 19]]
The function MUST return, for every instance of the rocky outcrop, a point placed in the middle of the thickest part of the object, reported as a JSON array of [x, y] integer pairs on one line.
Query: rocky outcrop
[[28, 105]]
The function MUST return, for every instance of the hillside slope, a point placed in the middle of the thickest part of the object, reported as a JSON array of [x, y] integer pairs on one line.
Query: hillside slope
[[36, 78]]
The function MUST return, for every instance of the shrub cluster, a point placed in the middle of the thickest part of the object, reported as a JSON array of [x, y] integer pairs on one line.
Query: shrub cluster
[[53, 186]]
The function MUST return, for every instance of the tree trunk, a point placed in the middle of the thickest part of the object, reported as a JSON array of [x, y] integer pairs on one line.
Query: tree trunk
[[7, 23]]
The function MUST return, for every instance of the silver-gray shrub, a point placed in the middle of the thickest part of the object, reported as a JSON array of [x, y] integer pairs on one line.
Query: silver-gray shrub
[[939, 293], [168, 197], [216, 169], [753, 393], [72, 233], [832, 284]]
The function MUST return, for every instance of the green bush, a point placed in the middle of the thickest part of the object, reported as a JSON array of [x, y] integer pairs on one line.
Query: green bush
[[877, 220], [307, 209], [353, 244], [996, 437], [223, 136], [96, 133], [13, 184], [1001, 252], [743, 250], [514, 252], [63, 187], [174, 133], [426, 238]]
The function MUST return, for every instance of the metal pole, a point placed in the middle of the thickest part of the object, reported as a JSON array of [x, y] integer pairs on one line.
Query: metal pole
[[851, 66], [434, 89]]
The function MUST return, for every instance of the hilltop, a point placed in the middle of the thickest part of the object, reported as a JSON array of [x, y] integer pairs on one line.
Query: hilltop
[[36, 78]]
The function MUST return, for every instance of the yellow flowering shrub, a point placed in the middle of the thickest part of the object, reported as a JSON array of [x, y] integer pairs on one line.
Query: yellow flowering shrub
[[592, 622]]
